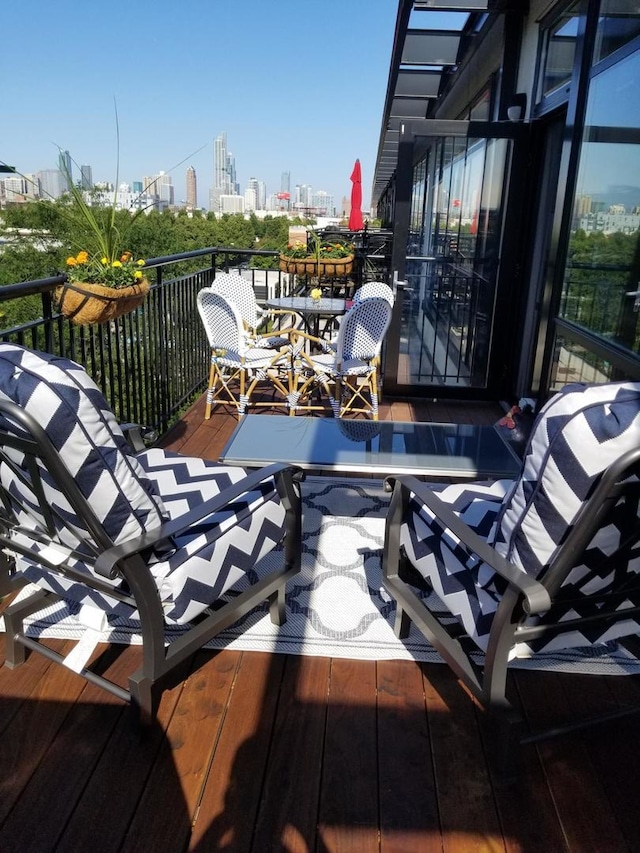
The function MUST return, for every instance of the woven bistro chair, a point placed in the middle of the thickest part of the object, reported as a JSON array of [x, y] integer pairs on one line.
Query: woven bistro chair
[[239, 365], [172, 541], [240, 291], [549, 561], [374, 288], [347, 370]]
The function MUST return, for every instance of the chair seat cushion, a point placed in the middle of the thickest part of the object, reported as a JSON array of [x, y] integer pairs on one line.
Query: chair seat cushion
[[200, 566], [462, 583]]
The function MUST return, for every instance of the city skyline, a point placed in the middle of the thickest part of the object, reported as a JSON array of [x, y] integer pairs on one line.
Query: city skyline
[[296, 91]]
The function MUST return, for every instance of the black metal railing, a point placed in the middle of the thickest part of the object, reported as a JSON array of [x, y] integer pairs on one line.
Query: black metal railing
[[152, 363]]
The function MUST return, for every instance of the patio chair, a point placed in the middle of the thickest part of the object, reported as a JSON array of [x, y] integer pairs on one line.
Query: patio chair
[[240, 291], [374, 288], [238, 364], [549, 561], [346, 370], [172, 541]]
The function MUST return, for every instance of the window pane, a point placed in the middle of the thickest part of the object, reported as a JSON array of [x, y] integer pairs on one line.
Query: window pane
[[574, 363], [619, 22], [560, 48], [603, 265]]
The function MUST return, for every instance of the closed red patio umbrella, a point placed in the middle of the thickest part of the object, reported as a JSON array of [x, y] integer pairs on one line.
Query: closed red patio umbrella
[[355, 217]]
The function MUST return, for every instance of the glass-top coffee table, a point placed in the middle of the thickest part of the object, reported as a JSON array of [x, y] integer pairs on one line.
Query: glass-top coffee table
[[459, 451]]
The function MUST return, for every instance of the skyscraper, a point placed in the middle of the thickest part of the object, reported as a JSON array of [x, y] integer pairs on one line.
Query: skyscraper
[[192, 189], [86, 177], [64, 164], [224, 171], [221, 180]]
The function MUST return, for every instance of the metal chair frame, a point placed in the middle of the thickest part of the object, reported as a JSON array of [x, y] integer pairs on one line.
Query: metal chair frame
[[528, 605], [128, 560]]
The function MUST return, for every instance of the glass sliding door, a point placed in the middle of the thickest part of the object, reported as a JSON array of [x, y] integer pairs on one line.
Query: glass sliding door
[[453, 261]]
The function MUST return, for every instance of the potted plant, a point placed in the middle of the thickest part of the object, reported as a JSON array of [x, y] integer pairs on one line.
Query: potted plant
[[323, 259], [104, 279], [100, 289]]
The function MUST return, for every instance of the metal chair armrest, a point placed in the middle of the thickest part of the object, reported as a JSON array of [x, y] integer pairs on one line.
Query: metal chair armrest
[[537, 598]]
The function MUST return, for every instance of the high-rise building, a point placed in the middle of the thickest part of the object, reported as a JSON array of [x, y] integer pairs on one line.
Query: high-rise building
[[285, 182], [192, 189], [220, 164], [64, 165], [86, 177], [51, 183], [160, 189], [224, 172]]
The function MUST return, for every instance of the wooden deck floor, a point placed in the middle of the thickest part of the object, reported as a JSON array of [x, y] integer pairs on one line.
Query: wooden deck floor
[[254, 752]]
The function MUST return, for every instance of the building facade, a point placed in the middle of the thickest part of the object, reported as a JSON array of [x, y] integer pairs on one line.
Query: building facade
[[192, 189], [508, 178]]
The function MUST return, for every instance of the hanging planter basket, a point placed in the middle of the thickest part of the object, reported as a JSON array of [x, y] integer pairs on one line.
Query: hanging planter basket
[[85, 302], [322, 268]]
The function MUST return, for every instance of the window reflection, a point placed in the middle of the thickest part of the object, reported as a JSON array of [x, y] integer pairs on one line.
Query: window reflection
[[619, 22], [603, 264], [559, 50]]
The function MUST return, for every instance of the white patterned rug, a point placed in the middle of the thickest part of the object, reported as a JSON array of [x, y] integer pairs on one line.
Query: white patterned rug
[[336, 605]]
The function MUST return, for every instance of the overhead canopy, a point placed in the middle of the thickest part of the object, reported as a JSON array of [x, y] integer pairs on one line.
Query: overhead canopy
[[423, 56]]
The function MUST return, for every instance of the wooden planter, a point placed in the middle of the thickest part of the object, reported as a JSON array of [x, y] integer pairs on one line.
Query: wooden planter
[[323, 268], [85, 302]]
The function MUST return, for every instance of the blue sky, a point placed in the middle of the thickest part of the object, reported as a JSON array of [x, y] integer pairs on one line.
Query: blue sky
[[298, 86]]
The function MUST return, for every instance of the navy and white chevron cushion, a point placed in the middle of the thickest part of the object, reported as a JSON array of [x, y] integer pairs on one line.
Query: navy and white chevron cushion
[[577, 435], [72, 410], [205, 561], [130, 495], [445, 564]]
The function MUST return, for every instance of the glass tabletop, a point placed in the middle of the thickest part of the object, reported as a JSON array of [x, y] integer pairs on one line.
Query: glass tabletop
[[307, 305], [377, 447]]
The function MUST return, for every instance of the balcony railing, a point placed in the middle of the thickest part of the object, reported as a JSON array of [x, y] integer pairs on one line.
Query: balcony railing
[[152, 363]]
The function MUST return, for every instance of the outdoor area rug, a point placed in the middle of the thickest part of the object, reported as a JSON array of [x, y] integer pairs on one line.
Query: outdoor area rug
[[336, 606]]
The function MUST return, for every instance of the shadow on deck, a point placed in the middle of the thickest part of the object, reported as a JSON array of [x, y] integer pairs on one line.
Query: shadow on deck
[[258, 752]]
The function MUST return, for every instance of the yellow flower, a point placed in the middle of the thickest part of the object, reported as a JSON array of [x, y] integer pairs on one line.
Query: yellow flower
[[138, 274], [71, 262], [82, 257], [104, 261], [116, 264], [140, 262], [316, 293]]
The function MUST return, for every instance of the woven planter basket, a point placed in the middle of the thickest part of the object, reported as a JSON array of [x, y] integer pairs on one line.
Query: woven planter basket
[[324, 268], [85, 302]]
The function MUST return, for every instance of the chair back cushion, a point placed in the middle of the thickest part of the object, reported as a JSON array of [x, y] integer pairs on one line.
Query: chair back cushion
[[363, 328], [71, 409], [577, 436]]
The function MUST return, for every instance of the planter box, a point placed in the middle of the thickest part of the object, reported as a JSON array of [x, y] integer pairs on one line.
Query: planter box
[[324, 268]]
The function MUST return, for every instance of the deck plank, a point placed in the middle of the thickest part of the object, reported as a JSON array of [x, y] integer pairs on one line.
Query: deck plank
[[580, 800], [409, 818], [468, 816], [168, 804], [229, 806], [288, 814], [348, 815]]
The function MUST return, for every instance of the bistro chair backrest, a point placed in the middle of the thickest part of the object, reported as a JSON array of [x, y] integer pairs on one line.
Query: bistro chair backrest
[[240, 291], [374, 288], [222, 321], [362, 329]]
